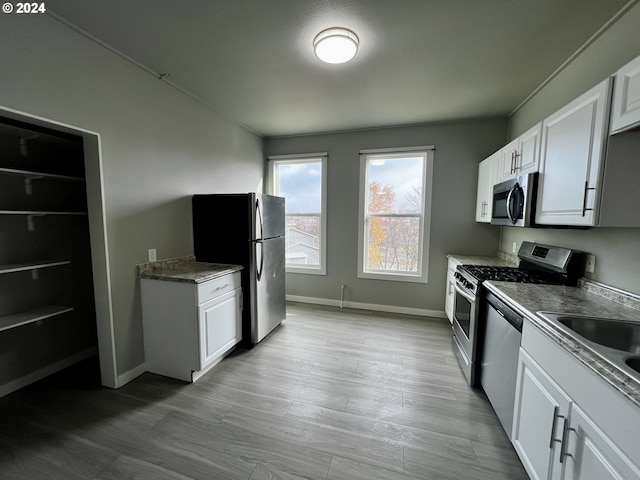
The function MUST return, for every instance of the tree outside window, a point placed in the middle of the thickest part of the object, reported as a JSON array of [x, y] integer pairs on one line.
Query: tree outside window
[[393, 215]]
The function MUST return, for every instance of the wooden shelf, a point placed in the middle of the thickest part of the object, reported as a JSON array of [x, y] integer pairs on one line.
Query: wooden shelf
[[39, 175], [31, 316], [38, 212], [22, 267]]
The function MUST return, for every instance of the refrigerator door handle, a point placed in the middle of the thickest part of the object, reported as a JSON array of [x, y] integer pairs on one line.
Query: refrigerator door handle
[[259, 219], [260, 264]]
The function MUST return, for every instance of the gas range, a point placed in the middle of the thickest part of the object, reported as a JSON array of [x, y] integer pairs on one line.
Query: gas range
[[542, 264]]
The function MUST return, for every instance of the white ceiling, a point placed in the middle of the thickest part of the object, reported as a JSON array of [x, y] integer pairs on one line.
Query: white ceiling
[[419, 60]]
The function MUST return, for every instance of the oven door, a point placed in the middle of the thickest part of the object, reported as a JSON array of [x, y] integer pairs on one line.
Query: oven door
[[465, 323]]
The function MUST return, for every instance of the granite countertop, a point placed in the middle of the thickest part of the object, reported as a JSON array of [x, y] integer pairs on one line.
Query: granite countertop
[[184, 269], [500, 260], [528, 299]]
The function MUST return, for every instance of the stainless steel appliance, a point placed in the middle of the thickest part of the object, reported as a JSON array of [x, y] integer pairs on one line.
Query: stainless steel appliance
[[514, 201], [538, 264], [246, 229], [499, 360]]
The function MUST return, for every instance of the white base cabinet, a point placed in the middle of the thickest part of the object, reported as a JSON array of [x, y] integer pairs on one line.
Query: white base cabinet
[[590, 454], [451, 291], [559, 432], [537, 421], [188, 327]]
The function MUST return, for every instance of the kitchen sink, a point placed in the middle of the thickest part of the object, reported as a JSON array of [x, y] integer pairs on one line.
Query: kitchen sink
[[617, 334], [615, 340], [633, 362]]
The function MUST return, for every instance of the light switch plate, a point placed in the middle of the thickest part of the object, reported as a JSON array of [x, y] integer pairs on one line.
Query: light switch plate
[[152, 255]]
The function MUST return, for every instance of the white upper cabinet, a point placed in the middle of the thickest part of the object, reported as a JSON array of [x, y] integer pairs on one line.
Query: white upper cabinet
[[571, 159], [521, 156], [529, 150], [508, 156], [625, 110], [486, 180]]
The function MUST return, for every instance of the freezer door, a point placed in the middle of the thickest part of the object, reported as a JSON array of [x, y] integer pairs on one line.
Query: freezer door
[[268, 287], [269, 216]]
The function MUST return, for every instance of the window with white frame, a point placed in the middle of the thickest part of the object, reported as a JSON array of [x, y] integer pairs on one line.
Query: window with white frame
[[395, 213], [302, 181]]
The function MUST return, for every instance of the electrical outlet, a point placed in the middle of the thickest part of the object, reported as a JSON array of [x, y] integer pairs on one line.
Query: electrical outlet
[[152, 255], [514, 248], [591, 264]]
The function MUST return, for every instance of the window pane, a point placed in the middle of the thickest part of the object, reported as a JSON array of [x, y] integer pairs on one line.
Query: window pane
[[393, 244], [395, 184], [302, 240], [301, 185]]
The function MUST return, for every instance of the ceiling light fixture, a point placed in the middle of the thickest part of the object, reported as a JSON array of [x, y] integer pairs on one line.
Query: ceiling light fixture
[[335, 45]]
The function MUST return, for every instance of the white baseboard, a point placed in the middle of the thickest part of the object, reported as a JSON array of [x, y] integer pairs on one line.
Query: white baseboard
[[32, 377], [369, 306], [129, 375]]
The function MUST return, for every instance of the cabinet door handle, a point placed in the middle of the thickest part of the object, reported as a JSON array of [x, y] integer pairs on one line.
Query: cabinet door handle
[[565, 440], [511, 171], [556, 410], [584, 200], [516, 167], [221, 288]]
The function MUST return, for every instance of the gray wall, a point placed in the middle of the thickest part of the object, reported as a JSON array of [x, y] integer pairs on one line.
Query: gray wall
[[459, 146], [616, 249], [158, 147]]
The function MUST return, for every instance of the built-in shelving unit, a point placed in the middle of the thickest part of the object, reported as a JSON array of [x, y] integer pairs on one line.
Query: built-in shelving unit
[[32, 316], [39, 175], [49, 316], [23, 267], [38, 212]]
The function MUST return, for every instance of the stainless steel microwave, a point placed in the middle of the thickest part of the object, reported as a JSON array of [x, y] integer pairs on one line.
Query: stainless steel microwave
[[514, 201]]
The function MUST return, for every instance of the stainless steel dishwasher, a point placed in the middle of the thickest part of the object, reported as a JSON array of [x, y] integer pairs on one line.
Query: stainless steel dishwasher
[[499, 365]]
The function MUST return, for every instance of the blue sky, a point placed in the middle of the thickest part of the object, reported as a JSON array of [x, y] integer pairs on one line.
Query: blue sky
[[301, 183], [403, 174]]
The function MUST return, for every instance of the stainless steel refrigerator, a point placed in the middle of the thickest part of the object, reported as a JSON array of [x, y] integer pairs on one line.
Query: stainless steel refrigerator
[[246, 229]]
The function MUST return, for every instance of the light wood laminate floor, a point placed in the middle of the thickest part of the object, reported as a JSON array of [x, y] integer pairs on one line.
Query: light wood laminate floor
[[331, 394]]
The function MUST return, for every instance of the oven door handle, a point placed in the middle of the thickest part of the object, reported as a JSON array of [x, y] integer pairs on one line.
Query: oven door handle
[[471, 298]]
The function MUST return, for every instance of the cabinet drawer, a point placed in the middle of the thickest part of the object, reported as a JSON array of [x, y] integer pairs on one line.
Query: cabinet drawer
[[219, 286]]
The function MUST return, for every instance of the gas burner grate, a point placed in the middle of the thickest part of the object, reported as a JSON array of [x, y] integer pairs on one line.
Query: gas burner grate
[[509, 274]]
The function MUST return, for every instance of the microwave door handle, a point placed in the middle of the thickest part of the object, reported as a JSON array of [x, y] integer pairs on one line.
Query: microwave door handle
[[509, 205]]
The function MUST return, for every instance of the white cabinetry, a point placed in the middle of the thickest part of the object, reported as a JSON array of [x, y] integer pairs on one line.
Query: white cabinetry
[[188, 327], [486, 180], [571, 158], [625, 110], [538, 417], [559, 432], [520, 156], [450, 292], [591, 455]]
